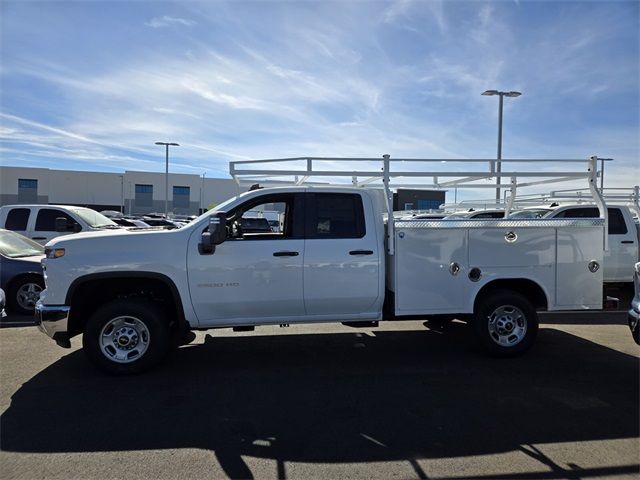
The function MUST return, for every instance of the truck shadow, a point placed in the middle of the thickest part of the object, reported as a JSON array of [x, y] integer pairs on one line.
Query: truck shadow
[[348, 397]]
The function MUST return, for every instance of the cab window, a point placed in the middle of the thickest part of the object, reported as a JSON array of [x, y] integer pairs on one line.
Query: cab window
[[335, 215], [46, 220], [268, 217]]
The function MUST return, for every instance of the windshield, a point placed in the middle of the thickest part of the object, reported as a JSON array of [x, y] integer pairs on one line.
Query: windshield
[[217, 208], [14, 245], [94, 219]]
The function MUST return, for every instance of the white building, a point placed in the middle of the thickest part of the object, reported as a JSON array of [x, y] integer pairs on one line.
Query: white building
[[132, 192]]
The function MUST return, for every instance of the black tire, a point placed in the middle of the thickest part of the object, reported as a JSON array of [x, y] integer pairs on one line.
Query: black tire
[[140, 324], [505, 324], [16, 300]]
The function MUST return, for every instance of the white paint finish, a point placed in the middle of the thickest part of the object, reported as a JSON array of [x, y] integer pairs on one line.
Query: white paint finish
[[423, 281], [338, 283], [577, 286], [488, 247], [157, 251], [242, 279]]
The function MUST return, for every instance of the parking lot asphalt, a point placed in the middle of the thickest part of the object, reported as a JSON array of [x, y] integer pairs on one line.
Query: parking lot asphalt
[[405, 400]]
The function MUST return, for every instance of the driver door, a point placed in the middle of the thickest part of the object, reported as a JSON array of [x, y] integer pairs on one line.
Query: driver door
[[255, 274]]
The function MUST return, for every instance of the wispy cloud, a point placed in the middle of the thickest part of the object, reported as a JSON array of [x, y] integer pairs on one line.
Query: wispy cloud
[[167, 21], [342, 79]]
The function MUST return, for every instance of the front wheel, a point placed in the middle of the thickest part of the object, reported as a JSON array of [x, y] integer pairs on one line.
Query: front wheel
[[126, 336], [506, 324], [24, 293]]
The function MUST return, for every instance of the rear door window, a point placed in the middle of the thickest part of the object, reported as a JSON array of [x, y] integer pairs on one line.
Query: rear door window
[[335, 215], [17, 219]]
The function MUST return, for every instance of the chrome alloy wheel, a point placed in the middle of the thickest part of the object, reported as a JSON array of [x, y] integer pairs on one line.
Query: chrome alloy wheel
[[27, 295], [124, 339], [507, 325]]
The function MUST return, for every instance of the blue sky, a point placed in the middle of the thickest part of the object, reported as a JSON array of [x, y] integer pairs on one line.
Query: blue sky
[[92, 85]]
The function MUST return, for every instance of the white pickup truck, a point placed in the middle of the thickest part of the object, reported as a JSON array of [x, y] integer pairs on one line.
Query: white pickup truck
[[131, 293], [44, 222]]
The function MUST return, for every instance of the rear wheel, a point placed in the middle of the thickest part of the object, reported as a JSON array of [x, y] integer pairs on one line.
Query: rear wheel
[[126, 336], [505, 323]]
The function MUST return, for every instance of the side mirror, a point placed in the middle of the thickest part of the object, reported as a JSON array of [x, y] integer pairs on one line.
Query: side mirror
[[216, 234], [62, 224]]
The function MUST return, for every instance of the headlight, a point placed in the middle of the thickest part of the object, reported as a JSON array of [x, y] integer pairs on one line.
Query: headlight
[[638, 268], [54, 252]]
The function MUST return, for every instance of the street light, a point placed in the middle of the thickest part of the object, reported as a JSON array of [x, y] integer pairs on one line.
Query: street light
[[166, 176], [498, 163]]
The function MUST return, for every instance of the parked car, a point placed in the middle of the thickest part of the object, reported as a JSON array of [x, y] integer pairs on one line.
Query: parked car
[[634, 313], [20, 271], [44, 222]]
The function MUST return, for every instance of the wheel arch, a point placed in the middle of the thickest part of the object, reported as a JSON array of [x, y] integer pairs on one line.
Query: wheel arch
[[88, 292], [18, 276], [530, 289]]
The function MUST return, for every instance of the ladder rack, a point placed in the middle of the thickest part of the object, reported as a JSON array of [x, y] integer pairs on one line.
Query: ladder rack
[[379, 172]]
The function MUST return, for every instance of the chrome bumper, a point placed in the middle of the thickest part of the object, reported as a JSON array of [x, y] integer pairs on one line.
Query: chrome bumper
[[52, 320]]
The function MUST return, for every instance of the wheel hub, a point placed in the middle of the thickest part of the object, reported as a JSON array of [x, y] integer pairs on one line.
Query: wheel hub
[[507, 325], [124, 339]]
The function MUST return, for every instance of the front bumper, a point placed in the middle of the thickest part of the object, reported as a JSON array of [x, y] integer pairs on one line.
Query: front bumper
[[53, 321]]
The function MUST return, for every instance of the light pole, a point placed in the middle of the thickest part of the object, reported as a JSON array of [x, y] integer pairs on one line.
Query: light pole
[[202, 194], [498, 163], [166, 175]]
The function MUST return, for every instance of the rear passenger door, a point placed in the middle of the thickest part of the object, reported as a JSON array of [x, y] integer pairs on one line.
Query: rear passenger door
[[342, 258]]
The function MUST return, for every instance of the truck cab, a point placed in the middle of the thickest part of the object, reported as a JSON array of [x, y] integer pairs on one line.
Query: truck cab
[[331, 242]]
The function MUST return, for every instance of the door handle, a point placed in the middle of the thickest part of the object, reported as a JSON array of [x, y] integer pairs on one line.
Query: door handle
[[361, 252], [38, 238], [627, 241], [285, 254]]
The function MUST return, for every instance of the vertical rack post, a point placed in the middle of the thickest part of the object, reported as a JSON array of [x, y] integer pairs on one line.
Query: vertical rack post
[[512, 197], [597, 196], [389, 195]]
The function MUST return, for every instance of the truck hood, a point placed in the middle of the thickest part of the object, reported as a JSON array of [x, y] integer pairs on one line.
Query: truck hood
[[106, 233]]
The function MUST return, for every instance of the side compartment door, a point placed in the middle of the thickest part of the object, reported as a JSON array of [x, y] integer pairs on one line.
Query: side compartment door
[[342, 256], [618, 261], [255, 275]]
